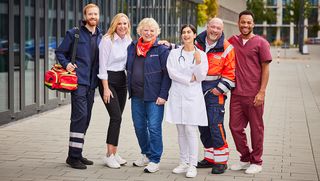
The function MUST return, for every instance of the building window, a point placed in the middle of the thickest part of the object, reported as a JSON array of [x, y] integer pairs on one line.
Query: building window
[[313, 2], [285, 2], [29, 20], [102, 5], [62, 20], [271, 2], [52, 38], [313, 22], [4, 56], [285, 34], [16, 52], [42, 50], [70, 8]]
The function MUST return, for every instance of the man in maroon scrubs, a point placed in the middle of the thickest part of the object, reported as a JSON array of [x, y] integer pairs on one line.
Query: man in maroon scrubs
[[247, 99]]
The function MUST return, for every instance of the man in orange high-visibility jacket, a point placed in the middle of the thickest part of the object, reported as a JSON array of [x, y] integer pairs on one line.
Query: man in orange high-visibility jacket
[[220, 80]]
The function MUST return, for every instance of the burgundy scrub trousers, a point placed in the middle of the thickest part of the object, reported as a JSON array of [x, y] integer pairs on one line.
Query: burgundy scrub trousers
[[242, 112]]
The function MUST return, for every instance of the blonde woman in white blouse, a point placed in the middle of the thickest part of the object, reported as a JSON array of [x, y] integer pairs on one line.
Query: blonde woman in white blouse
[[113, 88], [187, 67]]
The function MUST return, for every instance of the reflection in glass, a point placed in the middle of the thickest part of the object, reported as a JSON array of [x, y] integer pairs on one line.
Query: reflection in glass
[[42, 51], [285, 34], [101, 4], [70, 14], [63, 20], [29, 52], [4, 56], [16, 52], [52, 41], [272, 2], [313, 23]]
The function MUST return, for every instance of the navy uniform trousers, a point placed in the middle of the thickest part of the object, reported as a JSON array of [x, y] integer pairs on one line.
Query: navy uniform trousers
[[213, 136], [81, 106]]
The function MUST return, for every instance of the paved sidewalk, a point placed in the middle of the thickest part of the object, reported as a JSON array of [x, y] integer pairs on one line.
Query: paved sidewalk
[[35, 148]]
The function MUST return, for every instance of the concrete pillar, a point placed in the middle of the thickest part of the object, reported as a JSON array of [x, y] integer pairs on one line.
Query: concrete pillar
[[264, 29], [291, 33], [279, 19], [305, 36]]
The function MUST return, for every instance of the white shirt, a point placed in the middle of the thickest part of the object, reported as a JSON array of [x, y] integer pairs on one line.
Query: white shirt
[[186, 103], [244, 41], [112, 54], [208, 47]]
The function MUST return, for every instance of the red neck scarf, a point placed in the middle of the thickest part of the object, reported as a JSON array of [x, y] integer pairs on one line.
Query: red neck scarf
[[144, 47]]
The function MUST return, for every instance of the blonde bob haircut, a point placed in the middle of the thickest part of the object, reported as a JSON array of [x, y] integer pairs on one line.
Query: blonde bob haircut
[[148, 22], [113, 26], [90, 5]]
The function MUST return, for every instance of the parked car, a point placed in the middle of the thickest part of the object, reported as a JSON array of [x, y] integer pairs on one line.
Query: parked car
[[30, 46], [4, 56], [29, 52]]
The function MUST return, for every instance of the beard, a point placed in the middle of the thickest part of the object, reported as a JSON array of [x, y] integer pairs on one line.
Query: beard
[[213, 38], [246, 33], [92, 22]]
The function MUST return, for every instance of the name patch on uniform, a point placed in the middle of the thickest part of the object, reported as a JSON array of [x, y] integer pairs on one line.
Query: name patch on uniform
[[154, 55], [217, 57]]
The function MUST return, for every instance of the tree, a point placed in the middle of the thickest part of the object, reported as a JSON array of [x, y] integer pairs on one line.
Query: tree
[[261, 13], [314, 28], [293, 12], [206, 11]]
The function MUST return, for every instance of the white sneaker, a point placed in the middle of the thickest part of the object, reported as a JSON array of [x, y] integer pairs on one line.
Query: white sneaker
[[240, 166], [142, 161], [120, 160], [111, 162], [253, 169], [182, 168], [192, 172], [151, 167]]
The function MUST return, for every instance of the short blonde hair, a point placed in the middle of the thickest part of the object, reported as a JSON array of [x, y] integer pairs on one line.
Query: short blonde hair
[[148, 22], [113, 26], [90, 5]]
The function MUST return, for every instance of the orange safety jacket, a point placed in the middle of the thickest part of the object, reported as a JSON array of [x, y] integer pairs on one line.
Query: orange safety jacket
[[221, 60]]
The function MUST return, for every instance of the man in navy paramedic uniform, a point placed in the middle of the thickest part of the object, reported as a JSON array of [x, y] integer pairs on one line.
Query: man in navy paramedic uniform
[[86, 67]]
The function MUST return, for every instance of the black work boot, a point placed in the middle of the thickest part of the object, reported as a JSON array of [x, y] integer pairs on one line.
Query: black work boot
[[86, 161], [218, 168], [204, 164], [75, 163]]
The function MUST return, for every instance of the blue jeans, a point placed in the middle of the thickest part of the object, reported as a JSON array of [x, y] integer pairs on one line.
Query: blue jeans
[[147, 120]]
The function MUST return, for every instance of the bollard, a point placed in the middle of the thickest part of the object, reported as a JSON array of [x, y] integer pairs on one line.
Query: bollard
[[278, 55]]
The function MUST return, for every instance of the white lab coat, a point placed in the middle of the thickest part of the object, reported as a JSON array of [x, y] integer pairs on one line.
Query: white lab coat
[[186, 104]]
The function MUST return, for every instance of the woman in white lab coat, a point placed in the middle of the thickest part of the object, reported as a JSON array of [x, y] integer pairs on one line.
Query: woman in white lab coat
[[187, 67]]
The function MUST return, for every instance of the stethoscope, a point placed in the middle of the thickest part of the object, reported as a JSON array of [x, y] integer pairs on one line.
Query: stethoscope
[[181, 57]]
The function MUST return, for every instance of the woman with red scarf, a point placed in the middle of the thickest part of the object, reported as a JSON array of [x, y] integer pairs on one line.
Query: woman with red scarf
[[148, 86]]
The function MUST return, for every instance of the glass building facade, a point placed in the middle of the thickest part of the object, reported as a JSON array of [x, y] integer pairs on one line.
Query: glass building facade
[[31, 30], [282, 29]]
